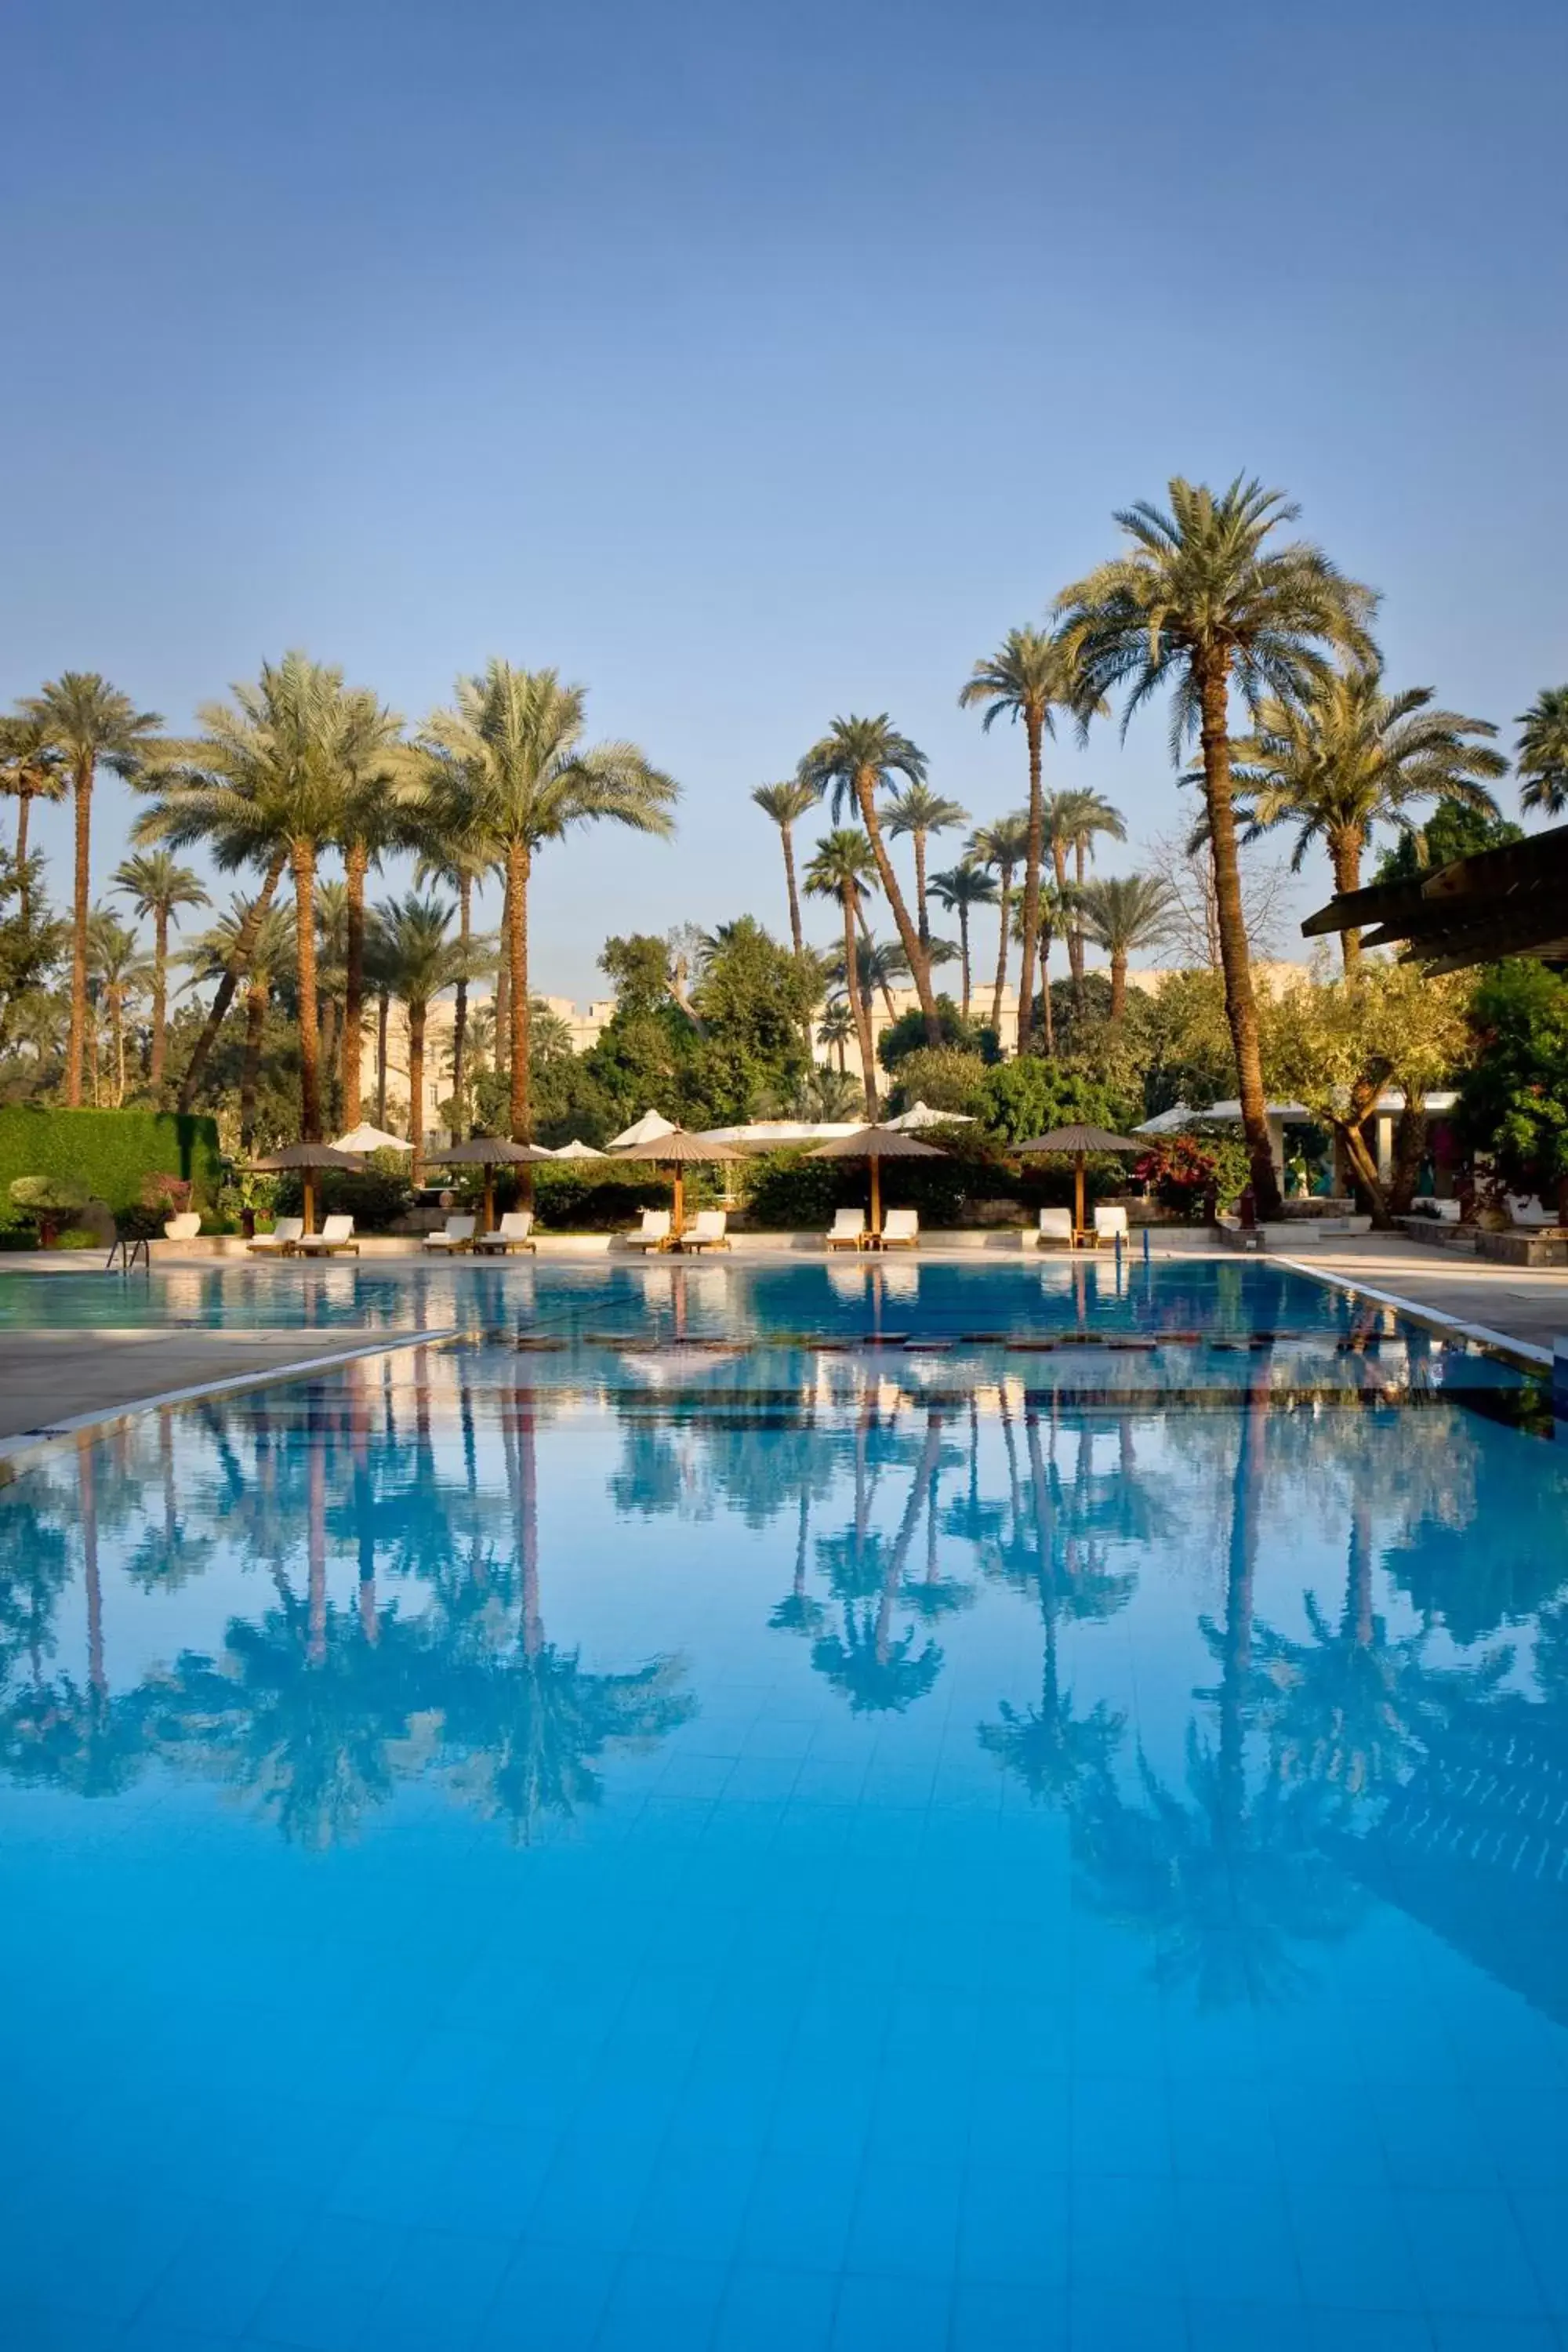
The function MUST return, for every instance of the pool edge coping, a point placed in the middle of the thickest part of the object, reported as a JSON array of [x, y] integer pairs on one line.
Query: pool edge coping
[[29, 1449], [1523, 1354]]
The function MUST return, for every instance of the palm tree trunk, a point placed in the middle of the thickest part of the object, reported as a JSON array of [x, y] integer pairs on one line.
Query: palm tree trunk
[[796, 934], [356, 866], [83, 893], [922, 911], [964, 946], [160, 997], [251, 1063], [1345, 853], [382, 1022], [862, 1018], [504, 986], [1240, 1006], [416, 1090], [1034, 727], [1006, 879], [117, 1031], [532, 1627], [920, 965], [461, 1011], [23, 812], [302, 862], [1118, 987], [224, 996], [94, 1048], [1046, 1005], [316, 1553], [517, 865], [1075, 922]]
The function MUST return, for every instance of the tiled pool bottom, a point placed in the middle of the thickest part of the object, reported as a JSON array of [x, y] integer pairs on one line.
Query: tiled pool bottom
[[490, 1867]]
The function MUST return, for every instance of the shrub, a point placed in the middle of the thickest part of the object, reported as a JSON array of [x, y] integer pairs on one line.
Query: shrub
[[376, 1196], [943, 1078], [44, 1201], [1029, 1097], [1182, 1170], [907, 1035], [578, 1198], [108, 1152], [793, 1192]]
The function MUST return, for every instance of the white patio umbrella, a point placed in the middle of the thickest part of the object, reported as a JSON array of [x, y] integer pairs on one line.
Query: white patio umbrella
[[576, 1150], [647, 1129], [909, 1122], [371, 1138]]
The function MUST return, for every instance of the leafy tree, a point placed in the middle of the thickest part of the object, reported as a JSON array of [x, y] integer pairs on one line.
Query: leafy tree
[[1541, 752], [1031, 676], [756, 996], [1187, 1047], [1452, 830], [87, 724], [1123, 915], [1027, 1098], [638, 968], [841, 867], [32, 943], [1345, 757], [785, 804], [1202, 601], [944, 1078], [1002, 847], [1513, 1099], [917, 812], [518, 736], [908, 1034], [855, 760], [960, 889], [158, 886]]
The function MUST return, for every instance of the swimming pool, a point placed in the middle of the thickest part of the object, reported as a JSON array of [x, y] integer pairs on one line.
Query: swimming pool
[[794, 1816]]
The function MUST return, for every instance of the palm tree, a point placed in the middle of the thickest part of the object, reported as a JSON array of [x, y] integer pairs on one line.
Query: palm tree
[[1030, 676], [453, 849], [31, 768], [1086, 814], [1003, 846], [836, 1028], [919, 812], [842, 868], [786, 805], [271, 953], [1542, 752], [1123, 914], [263, 785], [880, 966], [417, 960], [1202, 601], [857, 759], [518, 735], [116, 962], [381, 785], [960, 889], [1346, 758], [158, 887], [88, 724]]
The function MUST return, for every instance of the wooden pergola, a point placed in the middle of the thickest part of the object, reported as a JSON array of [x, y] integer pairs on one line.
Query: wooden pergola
[[1501, 902]]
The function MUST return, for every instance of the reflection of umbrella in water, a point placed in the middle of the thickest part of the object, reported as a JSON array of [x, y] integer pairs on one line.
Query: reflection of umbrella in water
[[875, 1144], [308, 1158], [676, 1151], [488, 1152], [1076, 1143]]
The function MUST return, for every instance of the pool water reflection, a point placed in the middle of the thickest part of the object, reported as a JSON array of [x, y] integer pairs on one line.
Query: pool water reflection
[[498, 1849]]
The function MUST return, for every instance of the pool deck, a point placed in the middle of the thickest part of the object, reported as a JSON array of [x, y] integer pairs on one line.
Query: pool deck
[[55, 1381]]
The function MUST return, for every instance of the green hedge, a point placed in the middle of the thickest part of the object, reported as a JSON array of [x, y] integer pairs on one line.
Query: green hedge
[[110, 1152]]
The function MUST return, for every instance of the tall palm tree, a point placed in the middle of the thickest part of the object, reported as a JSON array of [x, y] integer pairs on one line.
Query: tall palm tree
[[836, 1028], [89, 724], [1122, 914], [1086, 815], [382, 781], [842, 867], [1031, 675], [1347, 757], [857, 759], [454, 848], [158, 886], [960, 889], [518, 735], [31, 768], [1003, 846], [918, 812], [1541, 752], [417, 960], [263, 784], [786, 805], [1203, 602], [269, 956], [116, 961]]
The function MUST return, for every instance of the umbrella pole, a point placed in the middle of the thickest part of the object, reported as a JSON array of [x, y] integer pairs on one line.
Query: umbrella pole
[[489, 1175], [679, 1202], [875, 1198], [1078, 1194], [310, 1192]]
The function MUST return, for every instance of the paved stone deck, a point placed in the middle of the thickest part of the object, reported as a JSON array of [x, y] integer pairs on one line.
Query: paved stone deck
[[49, 1377]]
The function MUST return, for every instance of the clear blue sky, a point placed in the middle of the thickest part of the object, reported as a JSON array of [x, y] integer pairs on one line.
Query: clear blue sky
[[757, 363]]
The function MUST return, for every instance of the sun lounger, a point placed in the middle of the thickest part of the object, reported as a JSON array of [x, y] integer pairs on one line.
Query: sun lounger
[[284, 1238], [706, 1231], [901, 1229], [848, 1230], [337, 1234], [515, 1232], [458, 1233], [1110, 1225], [654, 1232], [1056, 1225]]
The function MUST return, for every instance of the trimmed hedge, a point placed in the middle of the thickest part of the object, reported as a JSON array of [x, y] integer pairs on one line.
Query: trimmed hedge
[[110, 1152]]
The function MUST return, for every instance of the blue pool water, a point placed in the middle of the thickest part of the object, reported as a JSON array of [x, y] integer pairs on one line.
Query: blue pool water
[[781, 1811]]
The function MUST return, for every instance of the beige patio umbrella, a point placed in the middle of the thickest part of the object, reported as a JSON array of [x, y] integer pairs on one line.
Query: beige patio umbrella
[[308, 1158], [1076, 1143], [875, 1144], [490, 1152], [676, 1151]]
